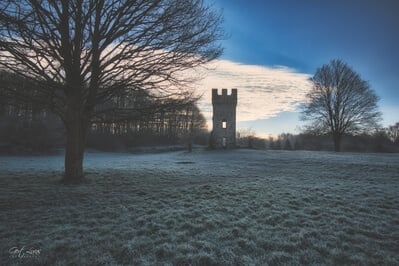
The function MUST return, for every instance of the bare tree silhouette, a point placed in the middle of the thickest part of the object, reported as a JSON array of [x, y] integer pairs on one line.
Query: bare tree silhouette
[[340, 102], [79, 54], [393, 133]]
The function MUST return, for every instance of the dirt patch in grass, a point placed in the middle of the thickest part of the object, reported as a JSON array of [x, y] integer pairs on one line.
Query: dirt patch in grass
[[242, 207]]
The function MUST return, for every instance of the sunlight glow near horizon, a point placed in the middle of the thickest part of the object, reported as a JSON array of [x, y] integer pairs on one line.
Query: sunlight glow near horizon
[[263, 92]]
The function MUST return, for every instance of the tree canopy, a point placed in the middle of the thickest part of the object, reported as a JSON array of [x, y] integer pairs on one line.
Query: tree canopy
[[340, 102], [80, 54]]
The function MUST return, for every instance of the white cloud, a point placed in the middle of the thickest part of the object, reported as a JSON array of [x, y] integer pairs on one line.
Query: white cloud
[[263, 92]]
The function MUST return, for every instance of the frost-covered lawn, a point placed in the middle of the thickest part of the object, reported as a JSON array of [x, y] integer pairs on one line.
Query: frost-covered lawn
[[240, 207]]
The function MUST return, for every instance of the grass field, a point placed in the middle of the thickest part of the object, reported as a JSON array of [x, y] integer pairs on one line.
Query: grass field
[[206, 208]]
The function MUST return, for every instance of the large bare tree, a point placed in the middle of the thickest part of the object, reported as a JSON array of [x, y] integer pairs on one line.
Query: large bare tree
[[82, 53], [340, 102]]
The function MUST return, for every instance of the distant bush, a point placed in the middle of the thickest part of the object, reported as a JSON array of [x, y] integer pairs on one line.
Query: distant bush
[[366, 143], [246, 138], [377, 142], [251, 142]]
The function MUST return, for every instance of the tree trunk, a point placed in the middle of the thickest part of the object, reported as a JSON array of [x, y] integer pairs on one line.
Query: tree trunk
[[76, 129], [337, 142]]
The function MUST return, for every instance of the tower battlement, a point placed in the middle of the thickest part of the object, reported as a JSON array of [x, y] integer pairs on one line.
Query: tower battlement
[[224, 98]]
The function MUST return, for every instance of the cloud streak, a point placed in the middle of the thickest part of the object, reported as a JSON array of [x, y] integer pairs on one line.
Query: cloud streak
[[263, 92]]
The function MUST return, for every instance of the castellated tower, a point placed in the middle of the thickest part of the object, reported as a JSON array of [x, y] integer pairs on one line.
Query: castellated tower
[[224, 119]]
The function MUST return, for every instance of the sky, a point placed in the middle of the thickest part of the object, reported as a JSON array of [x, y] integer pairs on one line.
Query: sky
[[273, 47]]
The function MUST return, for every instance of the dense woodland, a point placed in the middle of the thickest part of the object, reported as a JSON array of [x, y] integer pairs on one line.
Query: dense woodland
[[32, 128]]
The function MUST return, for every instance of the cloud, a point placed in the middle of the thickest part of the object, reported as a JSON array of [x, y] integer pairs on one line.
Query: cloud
[[263, 92]]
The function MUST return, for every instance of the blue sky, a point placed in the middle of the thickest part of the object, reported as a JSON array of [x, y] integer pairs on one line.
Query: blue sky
[[300, 36]]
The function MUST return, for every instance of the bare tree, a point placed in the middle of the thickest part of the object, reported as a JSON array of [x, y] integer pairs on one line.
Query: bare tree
[[340, 102], [82, 53]]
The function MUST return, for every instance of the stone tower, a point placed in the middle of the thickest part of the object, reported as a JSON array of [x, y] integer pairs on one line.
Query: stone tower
[[224, 119]]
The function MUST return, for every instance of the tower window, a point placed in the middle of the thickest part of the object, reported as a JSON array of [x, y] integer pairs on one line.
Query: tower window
[[224, 123]]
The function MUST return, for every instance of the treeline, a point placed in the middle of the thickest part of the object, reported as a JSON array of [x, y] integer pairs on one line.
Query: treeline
[[383, 140], [30, 127], [175, 124]]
